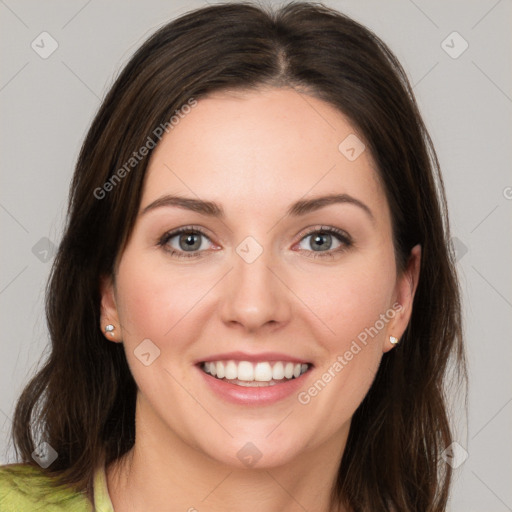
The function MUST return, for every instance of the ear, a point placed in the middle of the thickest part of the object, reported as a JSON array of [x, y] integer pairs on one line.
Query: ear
[[405, 290], [109, 314]]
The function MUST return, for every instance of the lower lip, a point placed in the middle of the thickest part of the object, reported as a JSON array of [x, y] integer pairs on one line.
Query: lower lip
[[242, 395]]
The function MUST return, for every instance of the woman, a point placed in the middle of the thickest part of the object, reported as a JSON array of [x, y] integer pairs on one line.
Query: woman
[[254, 303]]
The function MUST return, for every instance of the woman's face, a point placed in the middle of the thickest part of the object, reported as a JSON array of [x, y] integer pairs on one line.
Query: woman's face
[[271, 277]]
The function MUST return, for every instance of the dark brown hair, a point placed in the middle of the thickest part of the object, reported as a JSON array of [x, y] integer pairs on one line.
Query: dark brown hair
[[82, 401]]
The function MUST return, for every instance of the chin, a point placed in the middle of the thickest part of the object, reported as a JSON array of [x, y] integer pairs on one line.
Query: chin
[[246, 452]]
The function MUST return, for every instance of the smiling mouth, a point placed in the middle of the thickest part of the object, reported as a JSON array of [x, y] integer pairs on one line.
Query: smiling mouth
[[260, 374]]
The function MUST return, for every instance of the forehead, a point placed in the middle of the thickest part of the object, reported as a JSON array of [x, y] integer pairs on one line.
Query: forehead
[[262, 148]]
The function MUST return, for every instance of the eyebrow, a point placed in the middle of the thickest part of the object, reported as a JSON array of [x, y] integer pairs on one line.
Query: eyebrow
[[212, 209]]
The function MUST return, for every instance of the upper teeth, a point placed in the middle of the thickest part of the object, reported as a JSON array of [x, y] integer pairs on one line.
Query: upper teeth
[[261, 372]]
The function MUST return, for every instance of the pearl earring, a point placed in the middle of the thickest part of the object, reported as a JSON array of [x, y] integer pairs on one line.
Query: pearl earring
[[393, 340], [109, 329]]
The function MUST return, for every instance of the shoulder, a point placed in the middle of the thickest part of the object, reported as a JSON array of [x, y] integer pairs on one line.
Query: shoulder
[[24, 488]]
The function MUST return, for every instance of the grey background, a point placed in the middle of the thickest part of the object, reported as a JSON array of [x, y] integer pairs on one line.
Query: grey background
[[48, 104]]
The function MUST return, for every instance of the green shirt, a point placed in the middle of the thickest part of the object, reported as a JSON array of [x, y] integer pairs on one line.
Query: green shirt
[[25, 488]]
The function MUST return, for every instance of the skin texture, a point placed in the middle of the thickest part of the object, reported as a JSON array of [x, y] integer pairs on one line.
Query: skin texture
[[253, 153]]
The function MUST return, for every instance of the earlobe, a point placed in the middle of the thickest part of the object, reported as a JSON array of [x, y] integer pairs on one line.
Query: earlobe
[[109, 317], [109, 329], [406, 286]]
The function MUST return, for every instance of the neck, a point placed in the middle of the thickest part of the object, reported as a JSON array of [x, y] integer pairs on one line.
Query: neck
[[182, 477]]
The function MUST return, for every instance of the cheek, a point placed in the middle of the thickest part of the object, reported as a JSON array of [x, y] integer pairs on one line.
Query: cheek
[[162, 306], [154, 301], [356, 306], [351, 300]]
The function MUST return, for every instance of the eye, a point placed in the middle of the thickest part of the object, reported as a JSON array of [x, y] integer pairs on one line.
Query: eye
[[186, 242], [191, 242], [325, 241]]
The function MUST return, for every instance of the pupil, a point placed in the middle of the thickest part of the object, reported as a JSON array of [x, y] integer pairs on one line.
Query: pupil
[[322, 241], [189, 241]]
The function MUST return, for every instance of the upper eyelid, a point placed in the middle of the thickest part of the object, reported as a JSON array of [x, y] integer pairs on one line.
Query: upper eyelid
[[185, 229], [324, 229]]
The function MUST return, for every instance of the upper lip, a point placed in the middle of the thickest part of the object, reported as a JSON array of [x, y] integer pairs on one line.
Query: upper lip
[[244, 356]]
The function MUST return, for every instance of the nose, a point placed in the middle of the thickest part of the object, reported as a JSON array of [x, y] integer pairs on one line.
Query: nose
[[255, 297]]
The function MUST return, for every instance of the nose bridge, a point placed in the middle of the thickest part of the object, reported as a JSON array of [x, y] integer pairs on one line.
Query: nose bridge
[[255, 296]]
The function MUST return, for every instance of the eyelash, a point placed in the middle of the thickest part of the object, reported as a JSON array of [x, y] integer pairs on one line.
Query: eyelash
[[342, 237]]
